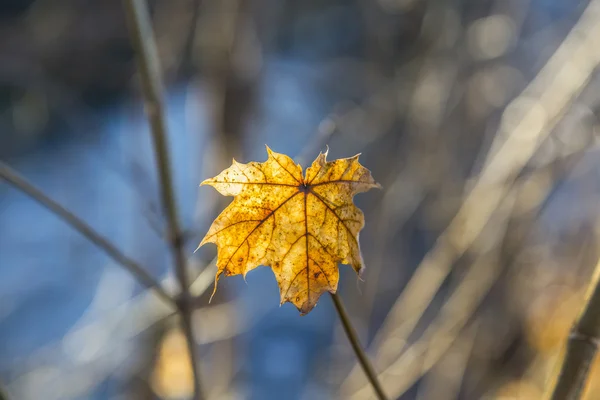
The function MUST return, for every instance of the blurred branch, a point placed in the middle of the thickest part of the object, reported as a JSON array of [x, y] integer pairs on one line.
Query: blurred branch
[[582, 347], [124, 323], [204, 279], [20, 183], [232, 83], [145, 47], [336, 123], [545, 100], [453, 316], [325, 131], [121, 326], [477, 282], [186, 65], [445, 380], [3, 395], [392, 216]]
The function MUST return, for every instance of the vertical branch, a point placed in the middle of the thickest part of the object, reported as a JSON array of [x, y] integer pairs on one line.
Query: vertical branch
[[186, 66], [145, 48], [358, 349], [582, 347]]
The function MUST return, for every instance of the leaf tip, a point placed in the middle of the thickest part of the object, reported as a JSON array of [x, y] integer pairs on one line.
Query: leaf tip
[[236, 163], [322, 158], [306, 308], [359, 274], [205, 240]]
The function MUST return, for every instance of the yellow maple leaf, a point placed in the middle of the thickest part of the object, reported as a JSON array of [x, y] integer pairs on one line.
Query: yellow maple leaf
[[300, 226]]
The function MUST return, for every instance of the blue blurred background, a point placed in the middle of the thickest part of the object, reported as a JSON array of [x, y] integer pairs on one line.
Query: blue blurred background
[[419, 87]]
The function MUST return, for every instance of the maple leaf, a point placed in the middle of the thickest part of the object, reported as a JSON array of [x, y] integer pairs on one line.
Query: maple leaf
[[300, 226]]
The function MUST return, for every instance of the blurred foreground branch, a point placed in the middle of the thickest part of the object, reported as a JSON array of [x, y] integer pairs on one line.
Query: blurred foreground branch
[[527, 121], [454, 315], [20, 183], [144, 44], [582, 347]]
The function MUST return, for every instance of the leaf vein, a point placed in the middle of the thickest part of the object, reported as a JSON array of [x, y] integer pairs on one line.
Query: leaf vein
[[257, 226], [337, 216]]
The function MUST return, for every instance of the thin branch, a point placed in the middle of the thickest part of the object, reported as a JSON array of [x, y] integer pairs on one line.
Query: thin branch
[[582, 347], [145, 47], [20, 183], [187, 58], [358, 349]]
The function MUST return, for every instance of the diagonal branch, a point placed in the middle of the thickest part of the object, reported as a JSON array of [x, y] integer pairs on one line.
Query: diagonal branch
[[145, 47], [363, 359], [523, 129], [20, 183], [582, 347]]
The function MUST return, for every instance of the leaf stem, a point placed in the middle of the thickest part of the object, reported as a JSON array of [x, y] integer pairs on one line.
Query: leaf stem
[[142, 36], [19, 182], [357, 347]]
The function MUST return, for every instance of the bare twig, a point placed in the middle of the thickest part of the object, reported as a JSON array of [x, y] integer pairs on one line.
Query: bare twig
[[187, 57], [145, 47], [20, 183], [358, 349], [582, 347]]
